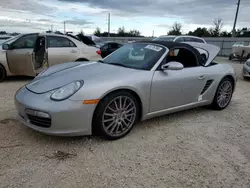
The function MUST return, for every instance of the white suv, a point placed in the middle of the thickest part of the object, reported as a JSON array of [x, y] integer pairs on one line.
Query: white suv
[[181, 38]]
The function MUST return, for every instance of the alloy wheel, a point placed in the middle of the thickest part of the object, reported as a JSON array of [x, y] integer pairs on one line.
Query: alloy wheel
[[224, 93], [119, 116]]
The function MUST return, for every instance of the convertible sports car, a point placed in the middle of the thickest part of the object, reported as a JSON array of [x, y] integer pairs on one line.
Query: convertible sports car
[[138, 81]]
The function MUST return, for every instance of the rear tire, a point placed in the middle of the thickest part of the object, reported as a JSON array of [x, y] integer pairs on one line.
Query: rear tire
[[248, 56], [2, 73], [230, 57], [116, 115], [223, 94]]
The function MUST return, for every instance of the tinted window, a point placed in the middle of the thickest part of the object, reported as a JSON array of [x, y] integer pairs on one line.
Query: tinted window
[[112, 45], [136, 55], [180, 39], [190, 39], [164, 39], [27, 41], [59, 42]]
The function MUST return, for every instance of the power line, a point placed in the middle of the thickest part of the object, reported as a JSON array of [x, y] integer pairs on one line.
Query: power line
[[236, 16]]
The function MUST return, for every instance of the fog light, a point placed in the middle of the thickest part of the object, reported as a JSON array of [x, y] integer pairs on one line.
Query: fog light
[[37, 113]]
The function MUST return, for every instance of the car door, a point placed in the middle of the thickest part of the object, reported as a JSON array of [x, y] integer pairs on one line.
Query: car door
[[61, 50], [175, 88], [19, 56]]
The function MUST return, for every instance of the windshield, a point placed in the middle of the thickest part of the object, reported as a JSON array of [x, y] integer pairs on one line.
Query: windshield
[[136, 55], [10, 40], [164, 39]]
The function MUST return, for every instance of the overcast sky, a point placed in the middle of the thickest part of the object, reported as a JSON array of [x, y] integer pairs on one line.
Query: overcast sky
[[143, 15]]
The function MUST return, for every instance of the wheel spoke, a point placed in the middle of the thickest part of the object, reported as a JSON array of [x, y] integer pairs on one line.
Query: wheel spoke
[[124, 103], [116, 106], [126, 124], [128, 120], [108, 120], [111, 124], [111, 109], [130, 110], [108, 114], [120, 101], [113, 128]]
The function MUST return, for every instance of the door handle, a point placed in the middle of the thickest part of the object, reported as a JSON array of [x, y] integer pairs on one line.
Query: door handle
[[73, 51], [201, 77]]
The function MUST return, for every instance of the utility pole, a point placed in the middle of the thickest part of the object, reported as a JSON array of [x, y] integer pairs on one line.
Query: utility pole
[[109, 25], [51, 27], [235, 20], [64, 25], [153, 33]]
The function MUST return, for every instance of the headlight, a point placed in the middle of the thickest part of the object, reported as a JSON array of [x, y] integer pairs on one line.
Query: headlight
[[66, 91]]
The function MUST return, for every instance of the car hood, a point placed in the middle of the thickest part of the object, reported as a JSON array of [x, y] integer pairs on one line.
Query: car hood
[[94, 72]]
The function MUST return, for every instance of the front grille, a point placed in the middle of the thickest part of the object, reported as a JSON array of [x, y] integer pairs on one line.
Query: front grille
[[39, 121]]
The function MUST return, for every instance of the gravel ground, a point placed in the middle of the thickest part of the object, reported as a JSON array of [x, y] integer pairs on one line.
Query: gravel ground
[[194, 148]]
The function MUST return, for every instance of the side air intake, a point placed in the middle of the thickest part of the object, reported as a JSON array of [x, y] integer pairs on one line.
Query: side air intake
[[207, 85]]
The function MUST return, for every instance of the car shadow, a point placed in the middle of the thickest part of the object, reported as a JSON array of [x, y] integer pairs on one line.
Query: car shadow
[[96, 138], [18, 78]]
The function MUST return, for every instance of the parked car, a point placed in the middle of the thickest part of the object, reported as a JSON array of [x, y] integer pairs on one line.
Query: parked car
[[180, 38], [29, 54], [184, 38], [3, 38], [246, 69], [240, 50], [140, 80], [109, 47]]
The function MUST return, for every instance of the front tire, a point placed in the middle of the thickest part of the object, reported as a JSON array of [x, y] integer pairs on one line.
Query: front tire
[[2, 73], [223, 94], [116, 115]]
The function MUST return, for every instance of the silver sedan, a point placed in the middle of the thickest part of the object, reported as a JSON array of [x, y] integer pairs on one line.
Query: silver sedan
[[141, 80], [246, 69]]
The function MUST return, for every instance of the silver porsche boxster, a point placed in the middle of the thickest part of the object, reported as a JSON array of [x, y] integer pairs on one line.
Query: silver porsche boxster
[[140, 80]]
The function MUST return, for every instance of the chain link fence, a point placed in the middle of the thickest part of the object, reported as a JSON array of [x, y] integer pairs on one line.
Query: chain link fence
[[223, 42]]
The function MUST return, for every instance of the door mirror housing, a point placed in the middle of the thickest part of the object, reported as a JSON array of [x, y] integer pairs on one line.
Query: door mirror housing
[[6, 47], [173, 65]]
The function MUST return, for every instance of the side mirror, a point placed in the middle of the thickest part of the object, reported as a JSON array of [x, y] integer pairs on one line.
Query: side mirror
[[173, 65], [6, 47]]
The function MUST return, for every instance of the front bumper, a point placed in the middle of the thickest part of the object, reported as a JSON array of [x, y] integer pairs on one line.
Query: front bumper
[[246, 71], [68, 118]]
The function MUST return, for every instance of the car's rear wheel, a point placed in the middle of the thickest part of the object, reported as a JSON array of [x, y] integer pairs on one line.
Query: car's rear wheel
[[230, 57], [116, 115], [223, 94], [2, 73]]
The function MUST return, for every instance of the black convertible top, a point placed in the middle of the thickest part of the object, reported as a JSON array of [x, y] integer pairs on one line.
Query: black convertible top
[[171, 45]]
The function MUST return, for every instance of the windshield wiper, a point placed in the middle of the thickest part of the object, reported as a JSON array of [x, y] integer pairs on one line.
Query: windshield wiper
[[119, 64]]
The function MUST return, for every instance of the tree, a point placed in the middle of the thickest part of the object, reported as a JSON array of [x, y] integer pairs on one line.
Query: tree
[[3, 32], [97, 32], [121, 31], [134, 33], [225, 34], [200, 32], [218, 24], [176, 29]]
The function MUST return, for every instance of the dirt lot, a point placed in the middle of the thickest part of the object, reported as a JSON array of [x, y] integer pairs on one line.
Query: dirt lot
[[195, 148]]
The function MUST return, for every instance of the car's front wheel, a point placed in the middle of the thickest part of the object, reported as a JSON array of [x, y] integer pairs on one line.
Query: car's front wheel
[[2, 73], [116, 115], [223, 94]]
